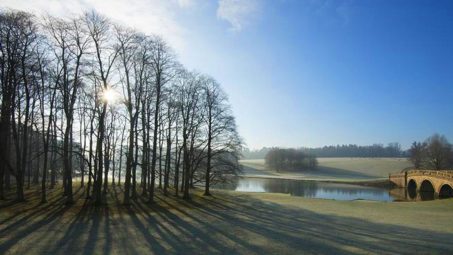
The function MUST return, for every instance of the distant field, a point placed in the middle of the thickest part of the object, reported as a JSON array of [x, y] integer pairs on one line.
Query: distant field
[[341, 169]]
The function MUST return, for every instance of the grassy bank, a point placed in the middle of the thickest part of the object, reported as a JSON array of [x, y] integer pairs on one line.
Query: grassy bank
[[333, 169], [227, 223]]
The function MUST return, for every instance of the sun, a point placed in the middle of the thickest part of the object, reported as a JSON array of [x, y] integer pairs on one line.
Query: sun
[[109, 95]]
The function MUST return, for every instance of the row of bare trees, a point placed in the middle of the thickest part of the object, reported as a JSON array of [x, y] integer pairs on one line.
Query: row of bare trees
[[89, 99]]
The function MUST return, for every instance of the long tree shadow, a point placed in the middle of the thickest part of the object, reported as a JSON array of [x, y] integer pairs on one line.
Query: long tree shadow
[[182, 231], [252, 222], [203, 225], [40, 216], [339, 173], [227, 223], [28, 213], [340, 231]]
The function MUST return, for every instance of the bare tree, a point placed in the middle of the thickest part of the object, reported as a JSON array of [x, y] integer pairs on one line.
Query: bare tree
[[162, 63], [43, 90], [126, 46], [218, 123], [438, 152], [18, 41], [72, 41], [417, 154], [105, 54]]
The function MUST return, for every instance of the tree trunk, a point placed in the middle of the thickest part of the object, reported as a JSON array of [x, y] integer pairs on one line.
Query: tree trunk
[[156, 127], [167, 158], [4, 136], [208, 165], [107, 166], [99, 151], [90, 174], [54, 154], [66, 162], [186, 169], [127, 182], [134, 172]]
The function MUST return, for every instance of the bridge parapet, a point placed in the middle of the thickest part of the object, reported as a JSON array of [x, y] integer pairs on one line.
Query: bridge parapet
[[447, 174]]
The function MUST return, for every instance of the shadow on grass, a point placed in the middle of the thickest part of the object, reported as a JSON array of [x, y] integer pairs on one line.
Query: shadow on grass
[[250, 170], [320, 171], [223, 224], [338, 173]]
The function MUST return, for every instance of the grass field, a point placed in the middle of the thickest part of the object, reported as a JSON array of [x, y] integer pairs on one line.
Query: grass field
[[333, 169], [227, 223]]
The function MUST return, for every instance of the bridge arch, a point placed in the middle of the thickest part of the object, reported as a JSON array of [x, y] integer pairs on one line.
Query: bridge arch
[[412, 184], [427, 190], [446, 191], [426, 186], [412, 188]]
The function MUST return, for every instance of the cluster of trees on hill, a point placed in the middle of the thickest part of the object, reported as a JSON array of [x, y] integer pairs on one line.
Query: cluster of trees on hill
[[290, 159], [434, 153], [350, 150], [89, 98]]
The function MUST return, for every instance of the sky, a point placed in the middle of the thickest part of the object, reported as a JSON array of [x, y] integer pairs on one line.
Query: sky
[[307, 72]]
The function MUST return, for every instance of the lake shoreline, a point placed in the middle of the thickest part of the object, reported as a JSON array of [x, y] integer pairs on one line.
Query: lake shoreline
[[369, 183], [371, 172]]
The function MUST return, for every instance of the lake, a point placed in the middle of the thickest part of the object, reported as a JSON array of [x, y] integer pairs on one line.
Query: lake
[[324, 190], [309, 189]]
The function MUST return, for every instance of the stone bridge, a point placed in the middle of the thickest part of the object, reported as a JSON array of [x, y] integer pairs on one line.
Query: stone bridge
[[439, 182]]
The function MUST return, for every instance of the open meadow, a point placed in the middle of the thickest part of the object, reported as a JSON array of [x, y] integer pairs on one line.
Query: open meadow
[[226, 223], [333, 169]]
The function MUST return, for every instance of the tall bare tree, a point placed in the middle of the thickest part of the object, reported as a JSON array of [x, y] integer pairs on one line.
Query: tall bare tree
[[71, 40], [106, 52], [162, 63]]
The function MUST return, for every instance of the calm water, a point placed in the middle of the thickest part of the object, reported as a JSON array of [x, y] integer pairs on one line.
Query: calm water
[[310, 189]]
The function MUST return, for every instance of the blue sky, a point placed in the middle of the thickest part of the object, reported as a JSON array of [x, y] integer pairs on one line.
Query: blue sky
[[309, 72], [312, 73]]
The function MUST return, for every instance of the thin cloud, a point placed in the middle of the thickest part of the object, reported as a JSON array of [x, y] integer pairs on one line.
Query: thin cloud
[[238, 13], [186, 3], [148, 16]]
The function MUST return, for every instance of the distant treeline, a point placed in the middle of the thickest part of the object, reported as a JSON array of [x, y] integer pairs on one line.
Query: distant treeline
[[349, 150], [290, 159], [353, 150]]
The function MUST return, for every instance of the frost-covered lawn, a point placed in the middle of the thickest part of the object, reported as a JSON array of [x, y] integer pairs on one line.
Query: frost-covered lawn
[[228, 223], [333, 169]]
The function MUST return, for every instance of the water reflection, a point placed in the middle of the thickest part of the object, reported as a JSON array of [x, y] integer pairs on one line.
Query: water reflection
[[412, 193], [311, 189], [420, 195], [424, 196]]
